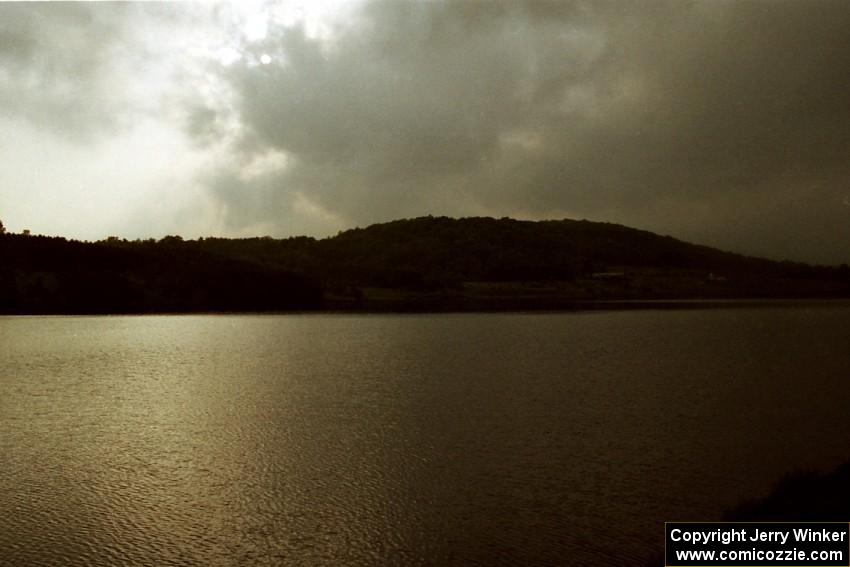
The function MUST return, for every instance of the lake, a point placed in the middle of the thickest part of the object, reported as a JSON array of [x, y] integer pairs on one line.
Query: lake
[[446, 439]]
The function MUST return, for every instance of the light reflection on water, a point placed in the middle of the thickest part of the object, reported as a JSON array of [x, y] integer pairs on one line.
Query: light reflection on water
[[432, 439]]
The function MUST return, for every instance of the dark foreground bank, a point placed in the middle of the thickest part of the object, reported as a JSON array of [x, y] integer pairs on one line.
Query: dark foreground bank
[[800, 496]]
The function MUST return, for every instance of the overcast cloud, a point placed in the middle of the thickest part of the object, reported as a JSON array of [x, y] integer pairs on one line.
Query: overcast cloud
[[723, 123]]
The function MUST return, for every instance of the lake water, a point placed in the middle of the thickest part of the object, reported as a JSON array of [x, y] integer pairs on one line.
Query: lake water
[[455, 439]]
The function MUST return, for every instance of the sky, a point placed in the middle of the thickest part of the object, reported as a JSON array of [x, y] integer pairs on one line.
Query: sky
[[725, 123]]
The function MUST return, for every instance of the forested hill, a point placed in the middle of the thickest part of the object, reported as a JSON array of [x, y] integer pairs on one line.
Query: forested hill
[[423, 263]]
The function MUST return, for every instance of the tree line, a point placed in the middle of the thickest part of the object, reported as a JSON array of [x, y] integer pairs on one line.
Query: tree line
[[424, 255]]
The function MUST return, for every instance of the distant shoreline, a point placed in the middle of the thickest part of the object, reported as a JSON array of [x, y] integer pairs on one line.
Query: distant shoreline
[[573, 307], [621, 305], [507, 304]]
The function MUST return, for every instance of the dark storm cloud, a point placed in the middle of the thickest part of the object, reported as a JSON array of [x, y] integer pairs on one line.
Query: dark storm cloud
[[402, 107], [720, 121]]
